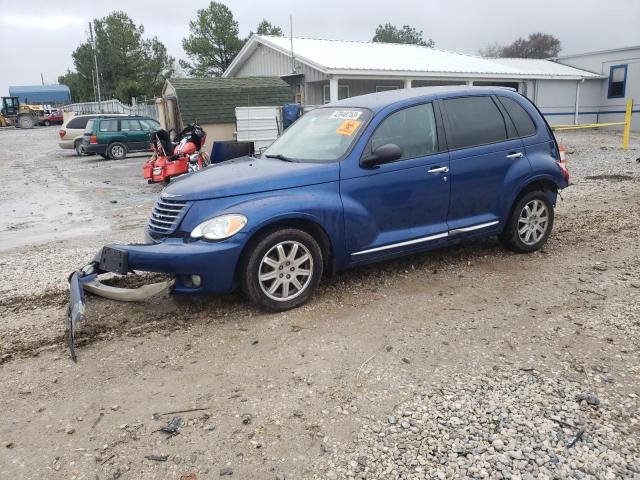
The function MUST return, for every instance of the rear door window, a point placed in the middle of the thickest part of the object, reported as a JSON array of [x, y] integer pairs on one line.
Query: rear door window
[[474, 121], [109, 125], [521, 119], [413, 129], [130, 125]]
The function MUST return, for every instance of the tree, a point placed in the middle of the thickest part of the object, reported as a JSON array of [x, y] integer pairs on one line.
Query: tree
[[129, 65], [267, 28], [537, 45], [388, 33], [213, 41], [491, 51]]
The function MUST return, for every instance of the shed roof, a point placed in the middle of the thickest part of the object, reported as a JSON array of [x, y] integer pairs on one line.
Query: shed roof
[[213, 100], [340, 57]]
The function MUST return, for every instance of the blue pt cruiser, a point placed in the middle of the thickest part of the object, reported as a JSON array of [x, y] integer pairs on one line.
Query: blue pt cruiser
[[353, 182]]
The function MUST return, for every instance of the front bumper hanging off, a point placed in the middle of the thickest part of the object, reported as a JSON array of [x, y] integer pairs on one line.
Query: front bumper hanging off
[[213, 264], [88, 278]]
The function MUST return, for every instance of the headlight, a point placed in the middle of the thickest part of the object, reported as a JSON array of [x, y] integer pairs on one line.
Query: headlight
[[219, 228]]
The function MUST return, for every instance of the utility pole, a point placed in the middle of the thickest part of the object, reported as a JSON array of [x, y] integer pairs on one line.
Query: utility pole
[[42, 78], [293, 61], [93, 81], [95, 59]]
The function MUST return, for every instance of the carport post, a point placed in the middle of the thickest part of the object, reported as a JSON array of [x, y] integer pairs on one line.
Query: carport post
[[333, 89], [576, 112], [407, 83]]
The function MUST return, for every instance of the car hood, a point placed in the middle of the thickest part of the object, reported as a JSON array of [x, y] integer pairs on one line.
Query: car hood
[[246, 175]]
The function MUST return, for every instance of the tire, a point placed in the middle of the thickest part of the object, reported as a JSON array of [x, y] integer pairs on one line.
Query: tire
[[25, 121], [47, 123], [117, 151], [79, 148], [530, 223], [274, 253]]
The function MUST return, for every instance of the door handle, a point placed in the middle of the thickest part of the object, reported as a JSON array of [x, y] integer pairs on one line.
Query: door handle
[[439, 170], [515, 155]]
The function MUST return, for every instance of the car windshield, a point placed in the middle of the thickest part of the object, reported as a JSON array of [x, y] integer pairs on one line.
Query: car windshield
[[321, 135]]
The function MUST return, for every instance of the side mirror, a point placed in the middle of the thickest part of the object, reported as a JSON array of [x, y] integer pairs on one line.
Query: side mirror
[[383, 154]]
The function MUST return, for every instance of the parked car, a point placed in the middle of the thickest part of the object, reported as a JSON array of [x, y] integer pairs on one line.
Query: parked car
[[113, 137], [72, 131], [52, 117], [353, 182]]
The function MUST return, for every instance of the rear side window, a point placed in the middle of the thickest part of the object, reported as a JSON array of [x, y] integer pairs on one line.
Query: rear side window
[[90, 125], [521, 119], [413, 129], [474, 121], [109, 125], [78, 123]]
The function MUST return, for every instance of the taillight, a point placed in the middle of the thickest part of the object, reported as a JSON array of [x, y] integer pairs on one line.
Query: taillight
[[62, 133], [563, 162], [93, 140]]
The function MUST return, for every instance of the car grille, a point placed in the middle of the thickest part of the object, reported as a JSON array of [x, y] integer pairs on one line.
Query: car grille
[[166, 215]]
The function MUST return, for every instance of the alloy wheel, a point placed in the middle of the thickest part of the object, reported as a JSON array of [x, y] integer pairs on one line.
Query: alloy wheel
[[285, 271], [117, 151], [533, 222]]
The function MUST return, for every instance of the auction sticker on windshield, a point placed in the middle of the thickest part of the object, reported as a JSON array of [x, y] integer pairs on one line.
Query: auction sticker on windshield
[[348, 127], [346, 114]]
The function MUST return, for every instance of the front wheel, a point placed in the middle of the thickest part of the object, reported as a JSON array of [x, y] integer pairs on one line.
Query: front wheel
[[281, 270], [530, 223]]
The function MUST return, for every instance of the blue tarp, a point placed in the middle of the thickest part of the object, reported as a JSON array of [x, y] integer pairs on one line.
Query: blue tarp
[[41, 94]]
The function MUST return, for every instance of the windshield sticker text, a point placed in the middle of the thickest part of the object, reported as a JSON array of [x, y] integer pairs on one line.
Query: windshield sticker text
[[348, 127], [346, 114]]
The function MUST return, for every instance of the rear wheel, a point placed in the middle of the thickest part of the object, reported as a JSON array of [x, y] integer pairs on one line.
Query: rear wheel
[[47, 123], [530, 223], [117, 151], [282, 269]]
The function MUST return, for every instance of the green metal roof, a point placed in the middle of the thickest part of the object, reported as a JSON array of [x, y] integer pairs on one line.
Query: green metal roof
[[213, 100]]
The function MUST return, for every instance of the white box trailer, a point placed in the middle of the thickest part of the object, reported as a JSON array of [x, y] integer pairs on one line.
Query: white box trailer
[[260, 125]]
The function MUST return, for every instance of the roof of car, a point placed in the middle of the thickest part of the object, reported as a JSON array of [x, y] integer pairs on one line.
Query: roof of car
[[377, 101], [107, 117]]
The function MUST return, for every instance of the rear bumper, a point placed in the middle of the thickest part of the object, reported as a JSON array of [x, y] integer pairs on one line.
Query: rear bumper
[[95, 148], [66, 144], [214, 262]]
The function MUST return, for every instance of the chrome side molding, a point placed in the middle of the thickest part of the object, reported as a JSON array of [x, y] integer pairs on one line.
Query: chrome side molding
[[429, 238]]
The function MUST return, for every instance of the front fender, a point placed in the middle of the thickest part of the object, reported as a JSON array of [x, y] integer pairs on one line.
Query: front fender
[[319, 204]]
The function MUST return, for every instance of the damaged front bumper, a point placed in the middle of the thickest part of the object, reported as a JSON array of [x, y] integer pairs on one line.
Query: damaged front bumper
[[196, 266]]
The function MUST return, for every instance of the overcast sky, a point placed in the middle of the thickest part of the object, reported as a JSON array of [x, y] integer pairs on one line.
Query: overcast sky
[[38, 36]]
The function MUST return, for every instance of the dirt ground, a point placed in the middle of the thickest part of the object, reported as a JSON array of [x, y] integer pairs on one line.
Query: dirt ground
[[286, 395]]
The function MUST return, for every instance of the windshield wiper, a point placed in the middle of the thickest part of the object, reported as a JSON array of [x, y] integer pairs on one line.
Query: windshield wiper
[[280, 157]]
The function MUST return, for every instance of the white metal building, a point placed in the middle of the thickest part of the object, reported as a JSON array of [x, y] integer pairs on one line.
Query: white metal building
[[333, 69], [604, 100]]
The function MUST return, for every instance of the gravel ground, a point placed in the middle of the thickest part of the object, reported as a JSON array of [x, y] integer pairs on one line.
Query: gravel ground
[[501, 425], [481, 356]]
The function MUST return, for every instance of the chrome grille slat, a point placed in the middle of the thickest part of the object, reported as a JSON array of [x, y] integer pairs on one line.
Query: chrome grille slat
[[166, 215]]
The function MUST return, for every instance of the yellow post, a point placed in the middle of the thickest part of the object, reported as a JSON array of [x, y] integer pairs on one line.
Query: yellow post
[[627, 125]]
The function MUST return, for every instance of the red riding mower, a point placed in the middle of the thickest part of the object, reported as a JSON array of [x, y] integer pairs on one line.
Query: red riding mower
[[184, 154]]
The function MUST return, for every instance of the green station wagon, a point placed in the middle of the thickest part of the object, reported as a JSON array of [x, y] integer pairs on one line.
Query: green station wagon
[[113, 137]]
